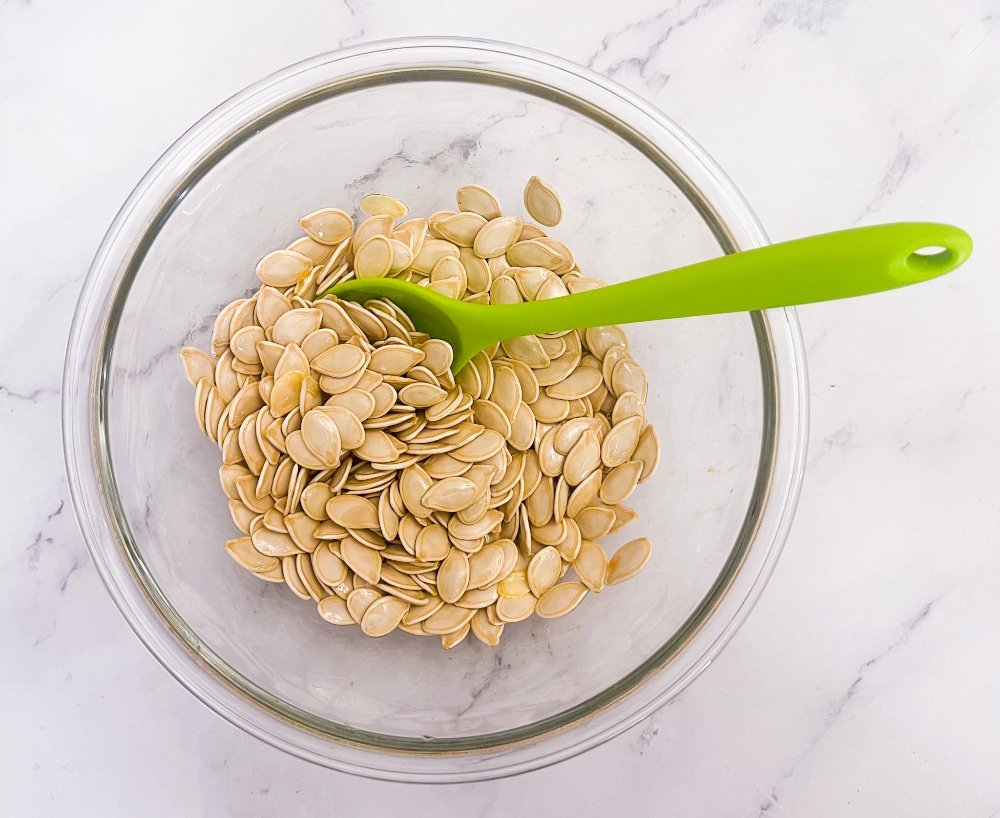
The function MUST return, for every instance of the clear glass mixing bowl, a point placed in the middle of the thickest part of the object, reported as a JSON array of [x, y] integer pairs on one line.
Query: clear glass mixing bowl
[[417, 118]]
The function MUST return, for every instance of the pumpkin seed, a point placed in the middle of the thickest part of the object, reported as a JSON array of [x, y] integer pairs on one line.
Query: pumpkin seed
[[600, 339], [458, 228], [560, 599], [485, 630], [380, 225], [302, 529], [453, 576], [477, 199], [628, 404], [432, 543], [273, 543], [533, 253], [364, 561], [595, 522], [335, 611], [352, 512], [647, 452], [562, 250], [473, 531], [449, 640], [447, 619], [412, 232], [289, 571], [482, 446], [383, 616], [327, 226], [591, 565], [197, 365], [623, 516], [627, 376], [496, 236], [394, 359], [515, 609], [478, 597], [504, 290], [451, 494], [620, 482], [421, 395], [378, 204], [582, 459], [330, 569], [245, 554], [293, 326], [628, 560], [620, 443], [572, 541], [578, 384], [360, 600], [431, 252], [542, 202], [282, 268], [374, 258], [543, 570]]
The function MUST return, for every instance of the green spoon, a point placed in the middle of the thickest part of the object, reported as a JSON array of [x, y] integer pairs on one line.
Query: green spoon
[[819, 268]]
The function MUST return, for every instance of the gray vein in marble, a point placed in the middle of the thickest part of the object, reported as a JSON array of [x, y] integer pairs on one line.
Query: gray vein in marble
[[989, 31], [483, 686], [640, 59], [809, 18], [908, 629], [75, 565], [905, 160], [354, 10], [41, 537], [204, 326], [968, 394], [56, 563], [29, 397], [460, 148], [650, 730], [841, 440]]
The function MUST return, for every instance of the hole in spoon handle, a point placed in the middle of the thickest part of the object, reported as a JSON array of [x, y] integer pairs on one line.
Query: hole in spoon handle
[[941, 249]]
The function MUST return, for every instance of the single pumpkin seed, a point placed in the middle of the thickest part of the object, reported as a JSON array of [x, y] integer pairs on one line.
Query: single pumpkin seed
[[516, 609], [591, 564], [543, 570], [328, 226], [383, 616], [282, 268], [245, 554], [560, 599], [620, 482], [379, 204], [628, 560], [335, 611], [542, 202], [477, 199]]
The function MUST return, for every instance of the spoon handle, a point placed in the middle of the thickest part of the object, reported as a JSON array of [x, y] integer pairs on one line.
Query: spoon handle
[[819, 268]]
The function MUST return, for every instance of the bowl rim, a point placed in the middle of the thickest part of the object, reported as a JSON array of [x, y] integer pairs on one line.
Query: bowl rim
[[726, 213]]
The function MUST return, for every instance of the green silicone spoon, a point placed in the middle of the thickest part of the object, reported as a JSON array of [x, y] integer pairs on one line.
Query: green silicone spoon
[[819, 268]]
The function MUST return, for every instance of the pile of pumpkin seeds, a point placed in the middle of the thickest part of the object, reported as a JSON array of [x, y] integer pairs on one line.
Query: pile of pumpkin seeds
[[369, 479]]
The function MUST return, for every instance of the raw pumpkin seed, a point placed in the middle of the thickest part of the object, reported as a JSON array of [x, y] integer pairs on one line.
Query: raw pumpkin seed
[[628, 560], [542, 202]]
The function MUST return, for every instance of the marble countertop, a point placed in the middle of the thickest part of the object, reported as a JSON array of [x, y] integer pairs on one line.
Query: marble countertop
[[867, 680]]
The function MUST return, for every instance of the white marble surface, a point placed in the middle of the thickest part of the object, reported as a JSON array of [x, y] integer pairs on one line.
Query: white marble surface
[[866, 682]]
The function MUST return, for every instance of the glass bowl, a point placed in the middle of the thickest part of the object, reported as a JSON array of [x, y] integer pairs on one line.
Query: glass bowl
[[418, 118]]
